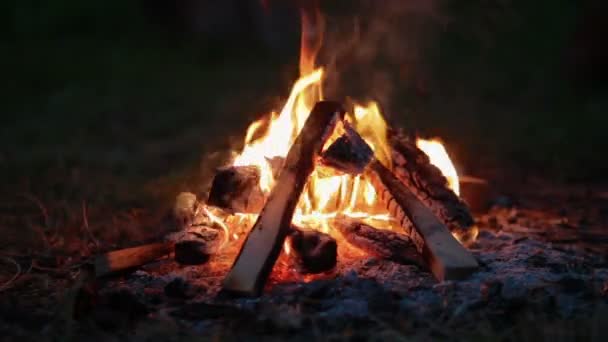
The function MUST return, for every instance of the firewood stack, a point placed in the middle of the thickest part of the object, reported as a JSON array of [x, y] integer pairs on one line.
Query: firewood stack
[[413, 191]]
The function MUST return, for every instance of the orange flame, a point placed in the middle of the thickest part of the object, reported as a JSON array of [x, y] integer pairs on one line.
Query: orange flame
[[327, 194], [439, 157]]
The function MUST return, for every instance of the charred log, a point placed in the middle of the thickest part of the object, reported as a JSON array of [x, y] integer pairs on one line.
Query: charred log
[[381, 243], [263, 244], [237, 189], [314, 252], [413, 167]]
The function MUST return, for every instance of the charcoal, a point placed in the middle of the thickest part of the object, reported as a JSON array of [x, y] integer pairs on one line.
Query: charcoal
[[316, 252]]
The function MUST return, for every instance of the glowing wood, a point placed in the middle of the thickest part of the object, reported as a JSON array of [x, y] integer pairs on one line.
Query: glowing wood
[[263, 244], [124, 259]]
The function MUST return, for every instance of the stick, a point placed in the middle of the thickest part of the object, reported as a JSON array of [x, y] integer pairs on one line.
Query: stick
[[123, 259], [263, 244], [446, 258]]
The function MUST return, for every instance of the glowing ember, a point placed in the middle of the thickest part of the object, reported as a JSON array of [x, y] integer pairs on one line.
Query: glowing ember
[[439, 157]]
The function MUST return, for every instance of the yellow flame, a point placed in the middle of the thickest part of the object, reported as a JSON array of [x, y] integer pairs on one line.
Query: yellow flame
[[439, 157]]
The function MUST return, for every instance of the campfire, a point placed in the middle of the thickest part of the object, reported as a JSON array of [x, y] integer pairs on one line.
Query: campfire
[[318, 182]]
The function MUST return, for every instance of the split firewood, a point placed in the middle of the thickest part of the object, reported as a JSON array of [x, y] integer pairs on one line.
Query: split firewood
[[265, 240], [314, 252], [413, 167], [237, 189], [445, 256], [195, 245], [382, 243], [128, 258]]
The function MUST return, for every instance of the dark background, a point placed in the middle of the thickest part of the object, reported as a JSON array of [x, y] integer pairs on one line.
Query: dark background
[[124, 102]]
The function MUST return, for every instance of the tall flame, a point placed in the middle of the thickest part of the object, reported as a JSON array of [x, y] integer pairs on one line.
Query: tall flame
[[327, 193]]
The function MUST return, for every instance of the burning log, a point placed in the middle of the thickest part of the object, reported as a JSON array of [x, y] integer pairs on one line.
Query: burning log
[[413, 167], [236, 189], [196, 245], [314, 251], [381, 243], [124, 259], [263, 244], [446, 258]]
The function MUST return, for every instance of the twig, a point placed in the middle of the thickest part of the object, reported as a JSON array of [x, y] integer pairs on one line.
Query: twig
[[8, 284], [85, 224]]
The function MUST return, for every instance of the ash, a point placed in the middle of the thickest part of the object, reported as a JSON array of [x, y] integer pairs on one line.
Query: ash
[[540, 261]]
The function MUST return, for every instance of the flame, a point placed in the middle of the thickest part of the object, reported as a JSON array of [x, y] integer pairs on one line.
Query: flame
[[439, 157], [327, 193]]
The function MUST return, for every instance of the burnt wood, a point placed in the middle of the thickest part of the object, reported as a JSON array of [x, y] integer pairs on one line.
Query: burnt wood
[[237, 189], [195, 245], [313, 251], [263, 244], [124, 259], [349, 153], [382, 243], [413, 167]]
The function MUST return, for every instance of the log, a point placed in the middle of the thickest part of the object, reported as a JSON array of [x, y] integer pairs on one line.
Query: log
[[237, 189], [313, 251], [445, 256], [413, 167], [265, 240], [117, 261], [195, 245], [382, 243]]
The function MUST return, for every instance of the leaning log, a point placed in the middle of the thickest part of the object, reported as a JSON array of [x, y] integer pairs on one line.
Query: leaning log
[[117, 261], [263, 244], [382, 243], [413, 167], [445, 256]]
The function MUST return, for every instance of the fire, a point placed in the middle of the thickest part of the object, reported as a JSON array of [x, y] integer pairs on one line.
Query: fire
[[327, 193], [439, 157]]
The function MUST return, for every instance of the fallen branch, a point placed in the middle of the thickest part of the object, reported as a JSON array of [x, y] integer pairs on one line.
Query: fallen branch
[[124, 259], [263, 244]]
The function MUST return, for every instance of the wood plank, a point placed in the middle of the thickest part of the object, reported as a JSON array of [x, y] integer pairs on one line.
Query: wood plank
[[445, 256], [263, 244]]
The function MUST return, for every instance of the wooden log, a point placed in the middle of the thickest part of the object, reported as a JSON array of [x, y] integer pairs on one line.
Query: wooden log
[[445, 256], [313, 251], [237, 189], [264, 242], [195, 245], [413, 167], [382, 243], [117, 261]]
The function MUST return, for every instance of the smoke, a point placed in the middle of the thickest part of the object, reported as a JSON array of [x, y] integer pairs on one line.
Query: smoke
[[374, 49]]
